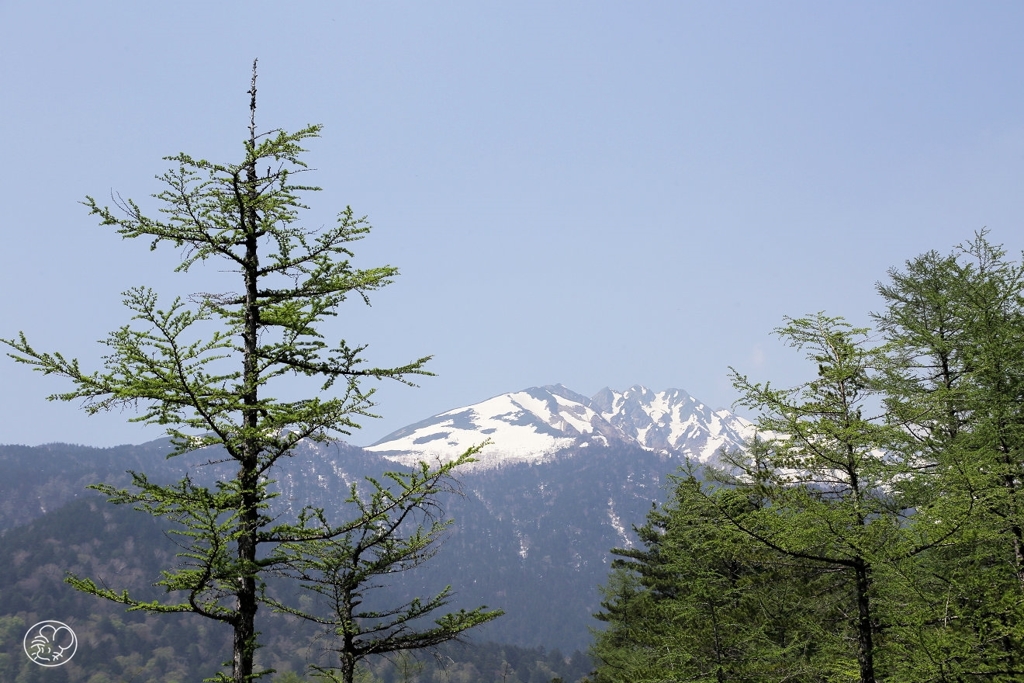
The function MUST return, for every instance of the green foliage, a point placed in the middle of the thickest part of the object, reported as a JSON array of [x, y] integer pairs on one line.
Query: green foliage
[[209, 369], [886, 490], [955, 384], [831, 483], [699, 602]]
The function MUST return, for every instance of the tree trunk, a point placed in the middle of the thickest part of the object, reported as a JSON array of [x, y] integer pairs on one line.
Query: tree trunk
[[865, 641], [248, 473]]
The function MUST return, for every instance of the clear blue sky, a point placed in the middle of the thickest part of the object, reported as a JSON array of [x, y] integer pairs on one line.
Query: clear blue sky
[[588, 193]]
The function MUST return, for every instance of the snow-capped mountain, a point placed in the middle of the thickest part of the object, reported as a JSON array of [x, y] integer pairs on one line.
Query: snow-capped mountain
[[523, 426], [534, 424], [564, 481], [672, 422]]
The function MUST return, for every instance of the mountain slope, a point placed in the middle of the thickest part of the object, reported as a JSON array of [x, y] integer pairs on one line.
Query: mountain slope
[[530, 538], [523, 426], [564, 481]]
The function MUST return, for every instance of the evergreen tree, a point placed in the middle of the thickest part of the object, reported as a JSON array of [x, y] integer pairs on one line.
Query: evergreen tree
[[837, 483], [891, 485], [828, 491], [210, 370], [955, 385], [699, 602]]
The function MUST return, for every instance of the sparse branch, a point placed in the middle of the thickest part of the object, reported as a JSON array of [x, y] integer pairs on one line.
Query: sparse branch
[[398, 529]]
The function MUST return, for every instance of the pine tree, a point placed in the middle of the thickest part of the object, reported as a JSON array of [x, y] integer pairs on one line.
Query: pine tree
[[209, 368]]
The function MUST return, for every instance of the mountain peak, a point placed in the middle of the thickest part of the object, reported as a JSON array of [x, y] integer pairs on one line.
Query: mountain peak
[[534, 424], [672, 421], [523, 426]]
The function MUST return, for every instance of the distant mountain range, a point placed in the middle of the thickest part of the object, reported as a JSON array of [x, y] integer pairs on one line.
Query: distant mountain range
[[563, 480], [533, 425]]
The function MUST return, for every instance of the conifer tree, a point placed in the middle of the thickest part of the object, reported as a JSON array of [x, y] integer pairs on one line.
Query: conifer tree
[[697, 601], [955, 383], [897, 471], [390, 536], [208, 369], [836, 482], [827, 495]]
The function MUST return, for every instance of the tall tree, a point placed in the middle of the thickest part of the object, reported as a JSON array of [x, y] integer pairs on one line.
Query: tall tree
[[955, 385], [834, 485], [897, 471], [210, 369]]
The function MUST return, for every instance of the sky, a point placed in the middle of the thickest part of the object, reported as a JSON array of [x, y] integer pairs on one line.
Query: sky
[[586, 193]]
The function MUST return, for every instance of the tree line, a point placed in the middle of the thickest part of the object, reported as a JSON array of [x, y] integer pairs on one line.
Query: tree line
[[874, 528]]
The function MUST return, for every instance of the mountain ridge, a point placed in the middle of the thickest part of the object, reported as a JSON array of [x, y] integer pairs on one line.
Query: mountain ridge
[[534, 424]]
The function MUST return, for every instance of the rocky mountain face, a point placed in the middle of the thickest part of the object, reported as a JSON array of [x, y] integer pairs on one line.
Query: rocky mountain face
[[563, 481], [672, 422]]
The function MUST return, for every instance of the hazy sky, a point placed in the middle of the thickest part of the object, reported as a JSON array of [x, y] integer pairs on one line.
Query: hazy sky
[[587, 193]]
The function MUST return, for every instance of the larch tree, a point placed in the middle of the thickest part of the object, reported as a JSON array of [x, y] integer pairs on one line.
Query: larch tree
[[207, 368], [404, 525], [954, 327], [833, 481], [891, 484]]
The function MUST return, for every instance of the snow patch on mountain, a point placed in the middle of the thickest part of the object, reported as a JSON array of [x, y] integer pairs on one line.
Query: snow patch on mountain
[[672, 422], [534, 424], [523, 426], [617, 524]]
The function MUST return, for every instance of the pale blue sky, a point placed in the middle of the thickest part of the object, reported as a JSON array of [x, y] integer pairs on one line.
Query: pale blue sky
[[589, 193]]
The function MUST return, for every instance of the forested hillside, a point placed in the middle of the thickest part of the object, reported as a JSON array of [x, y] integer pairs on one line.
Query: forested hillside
[[128, 548], [532, 540]]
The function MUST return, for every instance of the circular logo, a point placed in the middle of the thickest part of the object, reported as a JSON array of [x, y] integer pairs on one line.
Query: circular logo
[[50, 643]]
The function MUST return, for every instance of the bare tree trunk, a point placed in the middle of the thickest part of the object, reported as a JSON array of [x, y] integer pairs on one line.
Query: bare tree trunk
[[248, 474]]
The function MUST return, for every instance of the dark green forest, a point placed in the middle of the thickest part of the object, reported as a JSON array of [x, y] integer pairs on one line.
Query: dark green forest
[[874, 530]]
